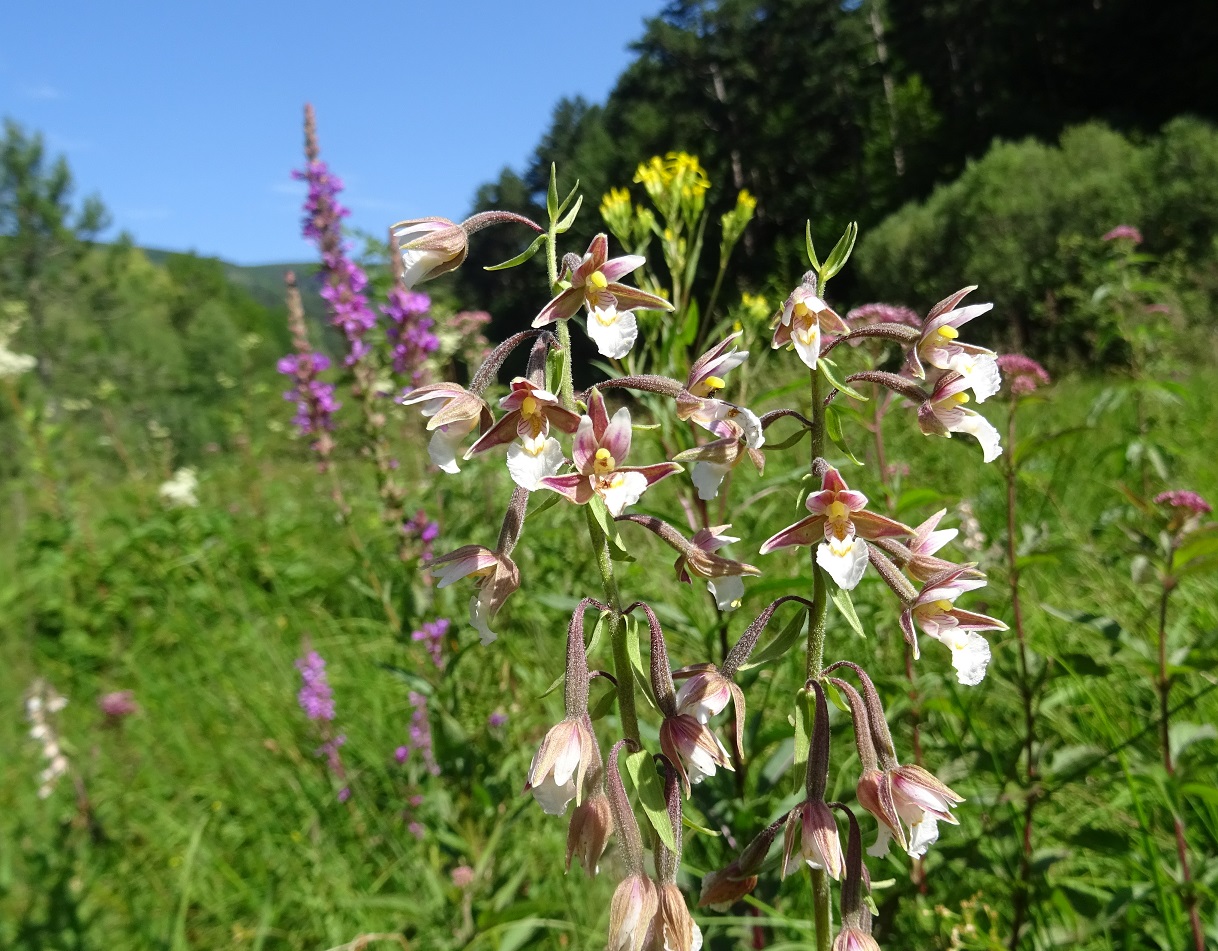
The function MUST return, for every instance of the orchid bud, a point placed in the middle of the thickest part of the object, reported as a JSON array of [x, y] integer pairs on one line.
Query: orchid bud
[[632, 912], [556, 775], [429, 247], [589, 833], [674, 928]]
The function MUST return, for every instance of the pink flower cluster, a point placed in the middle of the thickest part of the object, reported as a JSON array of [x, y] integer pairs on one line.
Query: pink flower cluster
[[432, 635], [1023, 374], [1184, 499], [1124, 231]]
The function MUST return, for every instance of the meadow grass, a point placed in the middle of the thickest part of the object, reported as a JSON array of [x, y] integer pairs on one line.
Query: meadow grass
[[207, 820]]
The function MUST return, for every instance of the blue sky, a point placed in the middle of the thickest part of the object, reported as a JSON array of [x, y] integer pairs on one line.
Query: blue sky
[[185, 117]]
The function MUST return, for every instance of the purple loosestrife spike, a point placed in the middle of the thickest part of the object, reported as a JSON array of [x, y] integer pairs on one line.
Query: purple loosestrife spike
[[840, 522], [803, 319], [729, 884], [697, 557], [1023, 375], [531, 411], [943, 413], [431, 633], [314, 399], [599, 448], [495, 578], [594, 282], [939, 350], [933, 610], [410, 333], [315, 697]]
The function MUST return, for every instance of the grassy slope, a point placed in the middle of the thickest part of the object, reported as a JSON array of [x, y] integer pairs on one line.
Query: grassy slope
[[214, 825]]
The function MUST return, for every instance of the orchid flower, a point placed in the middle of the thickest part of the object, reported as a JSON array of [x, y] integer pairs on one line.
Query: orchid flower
[[934, 611], [706, 374], [725, 583], [939, 347], [594, 282], [429, 247], [944, 413], [803, 319], [496, 577], [530, 413], [599, 448], [556, 774], [740, 437], [923, 565], [840, 521], [453, 413]]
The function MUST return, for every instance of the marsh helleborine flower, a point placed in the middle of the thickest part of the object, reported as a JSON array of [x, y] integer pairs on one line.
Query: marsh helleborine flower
[[840, 522], [530, 413], [803, 319], [556, 775], [933, 610], [599, 448], [495, 575], [453, 413], [940, 349], [429, 247], [593, 281], [944, 413]]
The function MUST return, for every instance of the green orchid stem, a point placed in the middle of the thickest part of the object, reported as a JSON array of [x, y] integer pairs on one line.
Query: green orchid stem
[[566, 387], [822, 903], [618, 633]]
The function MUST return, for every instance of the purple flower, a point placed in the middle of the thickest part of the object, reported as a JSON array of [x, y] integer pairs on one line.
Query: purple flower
[[315, 697], [879, 313], [497, 719], [410, 333], [420, 527], [1022, 374], [432, 634], [1184, 499], [314, 399], [1124, 231], [420, 736], [118, 704]]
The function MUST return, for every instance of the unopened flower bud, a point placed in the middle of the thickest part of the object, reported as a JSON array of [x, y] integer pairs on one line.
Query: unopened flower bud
[[556, 775], [631, 914], [589, 833], [674, 929], [429, 247]]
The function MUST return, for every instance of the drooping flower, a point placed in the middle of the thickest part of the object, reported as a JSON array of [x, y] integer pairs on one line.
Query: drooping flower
[[706, 375], [738, 878], [811, 824], [531, 411], [940, 349], [724, 577], [495, 576], [631, 913], [803, 320], [944, 413], [556, 775], [428, 248], [589, 833], [934, 611], [919, 800], [453, 414], [739, 437], [926, 540], [593, 281], [599, 448], [840, 522], [674, 929], [693, 749]]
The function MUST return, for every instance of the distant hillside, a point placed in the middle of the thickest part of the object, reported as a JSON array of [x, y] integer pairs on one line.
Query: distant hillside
[[264, 282]]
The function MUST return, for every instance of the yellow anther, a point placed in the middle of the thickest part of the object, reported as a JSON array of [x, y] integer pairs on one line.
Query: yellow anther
[[800, 309], [603, 462], [951, 333], [960, 398], [597, 279], [714, 383], [529, 406], [838, 511], [943, 605]]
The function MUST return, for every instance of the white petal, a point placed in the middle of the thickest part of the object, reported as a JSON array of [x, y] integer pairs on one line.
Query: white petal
[[728, 592], [529, 468], [977, 425], [981, 371], [707, 477], [922, 835], [623, 488], [880, 847], [443, 447], [844, 560], [614, 333], [478, 618], [696, 945], [567, 762], [553, 797], [970, 655], [754, 436], [699, 765], [807, 343], [416, 265]]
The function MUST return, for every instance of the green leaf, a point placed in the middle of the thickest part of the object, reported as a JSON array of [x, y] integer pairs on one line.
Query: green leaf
[[803, 735], [1202, 544], [841, 600], [650, 791], [811, 250], [690, 824], [833, 428], [604, 705], [552, 193], [569, 217], [634, 652], [589, 650], [829, 370], [547, 503], [689, 329], [781, 644], [520, 258], [840, 253]]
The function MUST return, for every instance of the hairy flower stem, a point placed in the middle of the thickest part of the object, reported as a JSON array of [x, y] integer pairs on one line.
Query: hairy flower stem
[[822, 905], [618, 633], [1163, 687], [1023, 891]]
